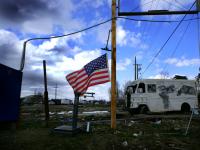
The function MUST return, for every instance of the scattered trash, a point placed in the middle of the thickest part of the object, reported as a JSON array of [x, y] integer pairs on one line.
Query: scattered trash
[[195, 111], [125, 143], [51, 113], [117, 132], [135, 134], [88, 127], [61, 113], [95, 112], [131, 123], [69, 112], [156, 121]]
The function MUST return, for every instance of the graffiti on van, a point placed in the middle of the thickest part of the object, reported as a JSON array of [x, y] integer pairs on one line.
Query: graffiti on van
[[185, 89], [163, 93]]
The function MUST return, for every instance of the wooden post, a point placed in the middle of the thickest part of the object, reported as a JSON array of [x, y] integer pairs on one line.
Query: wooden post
[[75, 111], [46, 102], [113, 67]]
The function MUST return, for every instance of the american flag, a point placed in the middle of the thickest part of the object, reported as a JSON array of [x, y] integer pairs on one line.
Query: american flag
[[93, 73]]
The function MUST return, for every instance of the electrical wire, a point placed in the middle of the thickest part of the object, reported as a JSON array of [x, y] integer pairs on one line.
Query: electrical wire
[[167, 21], [143, 5], [79, 31], [180, 4], [178, 43], [198, 35], [165, 43], [53, 37], [177, 6]]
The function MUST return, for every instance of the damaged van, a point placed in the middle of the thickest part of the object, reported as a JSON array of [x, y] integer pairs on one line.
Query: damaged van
[[160, 95]]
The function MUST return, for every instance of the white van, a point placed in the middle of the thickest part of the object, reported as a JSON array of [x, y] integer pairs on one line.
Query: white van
[[159, 95]]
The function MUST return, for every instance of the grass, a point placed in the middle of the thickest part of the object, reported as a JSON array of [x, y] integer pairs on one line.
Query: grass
[[33, 135]]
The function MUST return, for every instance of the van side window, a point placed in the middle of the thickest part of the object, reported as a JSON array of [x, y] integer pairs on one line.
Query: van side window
[[151, 88], [141, 88]]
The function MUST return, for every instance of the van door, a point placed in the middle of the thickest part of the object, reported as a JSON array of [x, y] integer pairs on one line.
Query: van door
[[141, 96]]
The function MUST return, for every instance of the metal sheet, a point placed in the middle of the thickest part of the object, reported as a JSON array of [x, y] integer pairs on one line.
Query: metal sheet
[[10, 89]]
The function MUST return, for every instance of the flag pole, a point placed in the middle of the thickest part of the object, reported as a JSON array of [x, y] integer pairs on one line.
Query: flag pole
[[113, 67], [75, 111]]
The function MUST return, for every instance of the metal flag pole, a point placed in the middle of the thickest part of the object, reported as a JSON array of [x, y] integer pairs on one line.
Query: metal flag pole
[[75, 111]]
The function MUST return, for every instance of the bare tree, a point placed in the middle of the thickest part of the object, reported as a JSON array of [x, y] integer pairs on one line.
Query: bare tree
[[164, 74]]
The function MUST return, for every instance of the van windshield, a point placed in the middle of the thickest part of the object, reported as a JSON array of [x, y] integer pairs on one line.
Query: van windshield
[[131, 88]]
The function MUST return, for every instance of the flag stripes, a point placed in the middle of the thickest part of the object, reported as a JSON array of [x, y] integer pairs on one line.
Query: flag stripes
[[95, 72]]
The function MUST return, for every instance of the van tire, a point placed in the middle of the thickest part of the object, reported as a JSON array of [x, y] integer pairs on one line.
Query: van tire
[[185, 108], [143, 110]]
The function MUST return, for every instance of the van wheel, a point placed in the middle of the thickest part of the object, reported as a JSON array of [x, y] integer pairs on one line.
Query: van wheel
[[185, 108], [143, 110]]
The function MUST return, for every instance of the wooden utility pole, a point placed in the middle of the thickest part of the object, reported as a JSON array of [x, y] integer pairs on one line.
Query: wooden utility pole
[[137, 68], [113, 67], [46, 102]]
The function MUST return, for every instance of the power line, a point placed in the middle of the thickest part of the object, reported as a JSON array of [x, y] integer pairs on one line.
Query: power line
[[177, 6], [178, 43], [180, 4], [58, 36], [52, 37], [142, 5], [79, 31], [162, 21], [167, 40], [198, 36]]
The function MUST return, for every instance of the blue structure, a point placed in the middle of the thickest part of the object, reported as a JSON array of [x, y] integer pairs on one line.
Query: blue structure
[[10, 89]]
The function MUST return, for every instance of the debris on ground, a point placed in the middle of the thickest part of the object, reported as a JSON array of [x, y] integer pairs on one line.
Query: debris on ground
[[131, 123], [125, 144]]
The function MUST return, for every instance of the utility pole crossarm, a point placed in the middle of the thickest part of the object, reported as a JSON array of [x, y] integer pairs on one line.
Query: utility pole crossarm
[[157, 12]]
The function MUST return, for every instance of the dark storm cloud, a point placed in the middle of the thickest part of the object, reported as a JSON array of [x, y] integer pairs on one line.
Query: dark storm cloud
[[35, 78], [21, 10], [9, 56]]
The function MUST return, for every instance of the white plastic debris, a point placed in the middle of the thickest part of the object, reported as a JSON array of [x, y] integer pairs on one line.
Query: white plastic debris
[[135, 134], [125, 143], [69, 112], [131, 123], [157, 122], [88, 127]]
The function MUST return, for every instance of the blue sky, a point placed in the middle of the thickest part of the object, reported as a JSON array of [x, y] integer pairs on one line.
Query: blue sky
[[24, 19]]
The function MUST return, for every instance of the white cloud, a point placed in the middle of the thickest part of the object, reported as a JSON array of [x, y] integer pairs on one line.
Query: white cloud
[[132, 39], [58, 64], [121, 36], [122, 64], [183, 62], [159, 76]]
